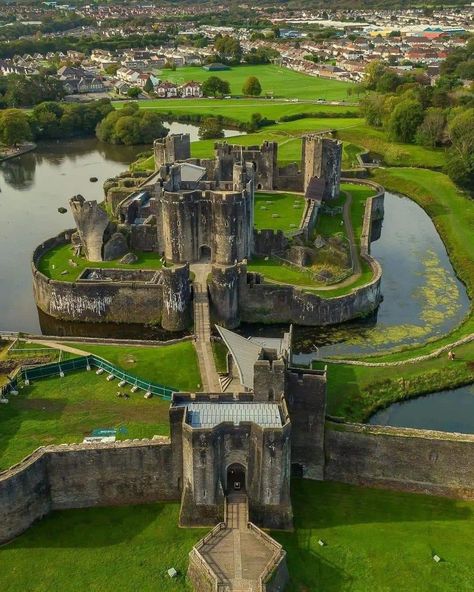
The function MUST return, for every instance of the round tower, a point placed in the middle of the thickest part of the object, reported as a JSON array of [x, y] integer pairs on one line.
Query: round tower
[[177, 298]]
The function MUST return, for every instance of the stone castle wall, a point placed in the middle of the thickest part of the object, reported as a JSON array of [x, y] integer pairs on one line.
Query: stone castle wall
[[118, 302], [85, 475], [422, 461]]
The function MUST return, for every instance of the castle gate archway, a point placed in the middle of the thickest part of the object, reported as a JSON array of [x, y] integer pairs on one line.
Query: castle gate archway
[[235, 477], [205, 254]]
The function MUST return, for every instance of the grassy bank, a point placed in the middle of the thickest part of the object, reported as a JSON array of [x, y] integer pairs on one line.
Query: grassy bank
[[356, 392]]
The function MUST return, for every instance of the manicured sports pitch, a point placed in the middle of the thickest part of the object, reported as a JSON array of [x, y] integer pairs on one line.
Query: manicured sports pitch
[[373, 540]]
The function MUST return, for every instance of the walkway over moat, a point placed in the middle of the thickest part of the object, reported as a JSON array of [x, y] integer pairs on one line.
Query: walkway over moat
[[236, 556]]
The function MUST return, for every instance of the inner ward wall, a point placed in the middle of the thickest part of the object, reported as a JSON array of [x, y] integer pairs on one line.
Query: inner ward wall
[[422, 461], [85, 475]]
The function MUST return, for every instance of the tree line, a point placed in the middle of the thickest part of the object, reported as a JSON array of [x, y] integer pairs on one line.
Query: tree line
[[413, 111]]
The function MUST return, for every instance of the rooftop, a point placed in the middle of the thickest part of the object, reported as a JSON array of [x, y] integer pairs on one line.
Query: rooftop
[[209, 415]]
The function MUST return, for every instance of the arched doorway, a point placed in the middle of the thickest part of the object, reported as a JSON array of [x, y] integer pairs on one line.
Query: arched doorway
[[205, 254], [235, 478]]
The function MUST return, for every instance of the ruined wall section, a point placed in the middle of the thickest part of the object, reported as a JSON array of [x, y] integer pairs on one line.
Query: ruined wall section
[[93, 226], [85, 475], [422, 461]]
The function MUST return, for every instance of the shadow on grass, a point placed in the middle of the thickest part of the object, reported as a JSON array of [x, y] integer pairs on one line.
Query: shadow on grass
[[319, 505], [89, 527]]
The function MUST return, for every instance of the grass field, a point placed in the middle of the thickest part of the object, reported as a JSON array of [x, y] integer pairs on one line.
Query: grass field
[[62, 410], [241, 109], [57, 410], [173, 365], [101, 550], [282, 82], [287, 207], [375, 540], [56, 260]]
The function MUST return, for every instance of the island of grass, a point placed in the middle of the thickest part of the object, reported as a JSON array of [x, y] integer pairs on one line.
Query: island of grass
[[373, 540], [60, 263], [332, 259], [63, 410]]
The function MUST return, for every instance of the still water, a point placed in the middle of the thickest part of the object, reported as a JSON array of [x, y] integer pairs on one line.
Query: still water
[[32, 188], [449, 411], [423, 298]]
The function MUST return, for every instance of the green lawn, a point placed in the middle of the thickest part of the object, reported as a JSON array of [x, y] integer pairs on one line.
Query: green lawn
[[241, 109], [377, 540], [282, 82], [173, 365], [288, 207], [374, 540], [56, 260], [63, 410], [101, 550]]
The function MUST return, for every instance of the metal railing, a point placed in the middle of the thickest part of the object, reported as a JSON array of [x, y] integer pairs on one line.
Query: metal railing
[[28, 373]]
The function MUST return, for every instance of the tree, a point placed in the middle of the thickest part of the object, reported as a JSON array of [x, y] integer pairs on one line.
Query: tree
[[405, 119], [215, 86], [127, 131], [148, 88], [228, 49], [151, 127], [133, 92], [373, 109], [460, 157], [14, 127], [430, 132], [252, 87], [210, 129], [111, 69], [373, 72]]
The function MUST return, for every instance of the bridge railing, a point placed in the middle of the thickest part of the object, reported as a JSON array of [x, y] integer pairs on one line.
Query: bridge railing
[[278, 556]]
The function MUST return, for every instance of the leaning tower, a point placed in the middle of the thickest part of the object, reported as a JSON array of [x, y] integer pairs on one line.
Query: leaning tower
[[322, 158]]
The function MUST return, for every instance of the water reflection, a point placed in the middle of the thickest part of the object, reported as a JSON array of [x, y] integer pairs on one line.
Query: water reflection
[[448, 411]]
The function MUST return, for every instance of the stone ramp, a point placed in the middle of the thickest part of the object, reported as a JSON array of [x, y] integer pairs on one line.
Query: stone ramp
[[202, 329], [236, 553]]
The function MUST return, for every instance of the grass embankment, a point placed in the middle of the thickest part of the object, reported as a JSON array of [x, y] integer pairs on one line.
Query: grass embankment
[[219, 351], [101, 549], [57, 260], [57, 410], [375, 540], [281, 82], [278, 211], [356, 392]]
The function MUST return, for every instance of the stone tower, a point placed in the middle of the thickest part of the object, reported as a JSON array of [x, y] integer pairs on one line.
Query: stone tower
[[322, 158], [173, 148]]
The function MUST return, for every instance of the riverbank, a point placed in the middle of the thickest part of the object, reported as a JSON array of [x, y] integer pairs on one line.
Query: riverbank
[[13, 152]]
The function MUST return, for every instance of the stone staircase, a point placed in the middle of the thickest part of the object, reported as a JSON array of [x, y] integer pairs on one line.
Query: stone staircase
[[236, 556]]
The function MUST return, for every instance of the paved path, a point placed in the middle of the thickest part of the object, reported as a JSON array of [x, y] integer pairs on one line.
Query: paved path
[[236, 554], [63, 346], [202, 329]]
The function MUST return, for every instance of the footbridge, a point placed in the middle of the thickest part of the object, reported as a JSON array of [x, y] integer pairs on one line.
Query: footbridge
[[237, 556]]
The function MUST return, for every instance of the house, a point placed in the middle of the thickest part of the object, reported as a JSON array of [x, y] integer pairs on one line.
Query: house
[[167, 90], [77, 80], [191, 89]]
